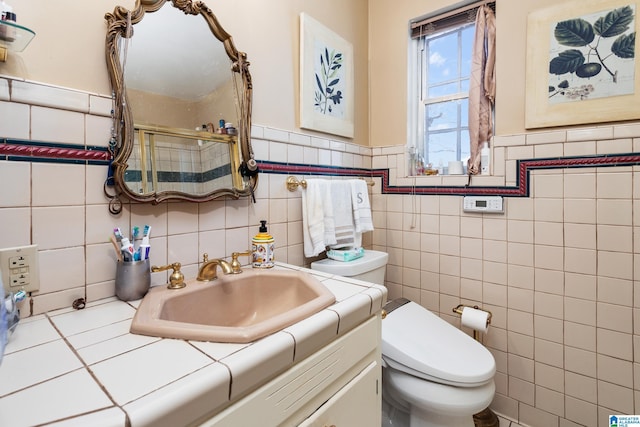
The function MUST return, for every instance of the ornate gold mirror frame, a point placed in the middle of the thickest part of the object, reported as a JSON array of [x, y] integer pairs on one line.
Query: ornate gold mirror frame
[[121, 28]]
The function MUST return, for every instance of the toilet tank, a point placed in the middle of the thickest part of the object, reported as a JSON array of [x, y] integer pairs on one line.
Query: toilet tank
[[370, 268]]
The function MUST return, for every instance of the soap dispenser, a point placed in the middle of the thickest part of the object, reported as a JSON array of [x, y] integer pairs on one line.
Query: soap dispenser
[[262, 248]]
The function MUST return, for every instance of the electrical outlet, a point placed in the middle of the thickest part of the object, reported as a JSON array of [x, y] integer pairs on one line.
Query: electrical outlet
[[19, 268]]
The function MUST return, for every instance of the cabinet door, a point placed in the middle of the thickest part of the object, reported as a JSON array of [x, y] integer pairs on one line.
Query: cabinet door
[[357, 404]]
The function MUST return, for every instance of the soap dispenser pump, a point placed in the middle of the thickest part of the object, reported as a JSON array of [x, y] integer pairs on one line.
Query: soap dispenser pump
[[262, 246]]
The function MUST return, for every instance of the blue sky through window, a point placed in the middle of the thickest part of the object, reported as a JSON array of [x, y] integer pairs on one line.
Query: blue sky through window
[[445, 95]]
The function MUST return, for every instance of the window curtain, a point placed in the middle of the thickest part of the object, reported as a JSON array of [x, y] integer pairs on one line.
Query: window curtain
[[482, 85]]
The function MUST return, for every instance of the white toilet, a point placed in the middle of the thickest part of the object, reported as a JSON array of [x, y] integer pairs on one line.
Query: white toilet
[[434, 374]]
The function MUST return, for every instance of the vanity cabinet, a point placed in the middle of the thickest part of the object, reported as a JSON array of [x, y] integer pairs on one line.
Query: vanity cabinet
[[353, 405], [339, 385]]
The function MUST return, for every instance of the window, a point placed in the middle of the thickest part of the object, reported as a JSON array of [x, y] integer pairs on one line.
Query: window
[[439, 72]]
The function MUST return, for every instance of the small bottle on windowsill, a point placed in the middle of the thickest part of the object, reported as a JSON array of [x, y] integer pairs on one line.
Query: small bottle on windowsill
[[485, 159]]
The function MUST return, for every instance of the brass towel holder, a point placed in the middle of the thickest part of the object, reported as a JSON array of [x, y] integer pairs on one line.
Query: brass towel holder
[[293, 183]]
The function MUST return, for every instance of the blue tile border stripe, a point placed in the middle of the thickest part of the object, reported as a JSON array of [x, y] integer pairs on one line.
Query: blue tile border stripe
[[521, 189], [41, 151]]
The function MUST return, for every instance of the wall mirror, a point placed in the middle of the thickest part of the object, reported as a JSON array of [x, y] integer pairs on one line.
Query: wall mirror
[[182, 104]]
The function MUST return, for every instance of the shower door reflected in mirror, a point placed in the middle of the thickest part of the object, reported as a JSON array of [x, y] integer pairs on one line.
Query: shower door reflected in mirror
[[164, 160]]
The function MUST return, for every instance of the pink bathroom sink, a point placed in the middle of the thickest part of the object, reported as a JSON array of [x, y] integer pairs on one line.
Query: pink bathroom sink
[[237, 308]]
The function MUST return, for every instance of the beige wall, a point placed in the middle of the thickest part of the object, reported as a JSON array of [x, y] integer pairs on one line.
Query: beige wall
[[270, 36], [388, 72], [68, 49], [377, 29], [154, 109], [72, 55]]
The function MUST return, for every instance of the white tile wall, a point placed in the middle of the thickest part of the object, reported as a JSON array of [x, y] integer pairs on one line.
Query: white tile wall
[[14, 120], [558, 269], [54, 125], [50, 96]]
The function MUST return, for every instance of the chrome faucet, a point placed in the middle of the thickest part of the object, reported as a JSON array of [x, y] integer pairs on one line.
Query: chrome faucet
[[208, 269]]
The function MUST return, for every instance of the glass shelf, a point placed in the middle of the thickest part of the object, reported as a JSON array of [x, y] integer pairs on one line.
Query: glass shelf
[[14, 37]]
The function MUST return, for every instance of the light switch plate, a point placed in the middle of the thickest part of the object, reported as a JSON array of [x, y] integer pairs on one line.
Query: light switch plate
[[20, 269]]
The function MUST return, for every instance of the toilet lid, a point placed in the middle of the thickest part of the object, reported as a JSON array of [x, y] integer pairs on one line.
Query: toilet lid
[[418, 342]]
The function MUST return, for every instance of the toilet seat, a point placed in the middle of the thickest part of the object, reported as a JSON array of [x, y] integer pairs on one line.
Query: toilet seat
[[418, 342]]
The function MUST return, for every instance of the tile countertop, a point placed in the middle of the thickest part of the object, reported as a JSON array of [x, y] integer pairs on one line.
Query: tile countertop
[[83, 367]]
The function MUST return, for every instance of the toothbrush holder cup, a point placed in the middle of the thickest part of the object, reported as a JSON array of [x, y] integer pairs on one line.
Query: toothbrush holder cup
[[133, 279]]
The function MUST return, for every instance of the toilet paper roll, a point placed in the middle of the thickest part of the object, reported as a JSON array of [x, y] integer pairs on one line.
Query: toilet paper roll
[[475, 319]]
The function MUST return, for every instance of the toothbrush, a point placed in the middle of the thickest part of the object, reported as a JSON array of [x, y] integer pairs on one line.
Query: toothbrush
[[134, 236], [145, 246], [117, 233], [115, 245]]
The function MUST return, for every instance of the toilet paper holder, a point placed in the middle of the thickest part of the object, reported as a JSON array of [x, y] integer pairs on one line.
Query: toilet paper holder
[[460, 307], [486, 417]]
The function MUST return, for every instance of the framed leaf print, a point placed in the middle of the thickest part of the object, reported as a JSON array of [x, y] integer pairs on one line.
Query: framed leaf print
[[326, 79], [581, 64]]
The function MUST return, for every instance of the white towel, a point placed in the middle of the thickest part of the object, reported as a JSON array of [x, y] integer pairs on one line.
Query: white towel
[[361, 208], [342, 214], [318, 226]]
